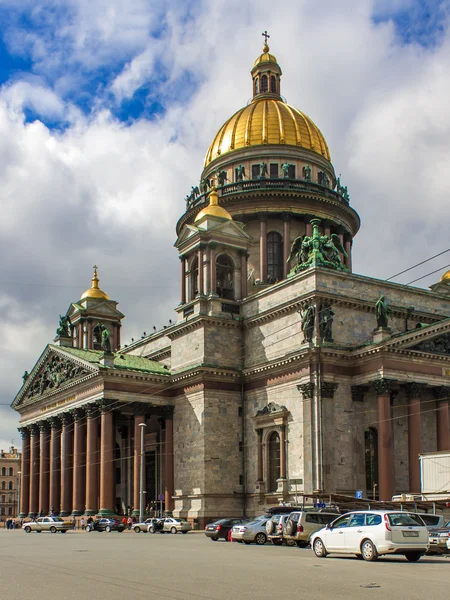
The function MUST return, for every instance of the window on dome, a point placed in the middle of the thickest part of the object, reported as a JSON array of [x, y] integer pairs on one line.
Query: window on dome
[[291, 172], [264, 84], [255, 171], [97, 337], [274, 461], [224, 277], [274, 257], [274, 170], [194, 279], [273, 84]]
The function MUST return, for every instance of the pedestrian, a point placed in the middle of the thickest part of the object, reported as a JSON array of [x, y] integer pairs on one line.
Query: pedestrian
[[124, 521], [130, 522], [74, 523], [82, 523]]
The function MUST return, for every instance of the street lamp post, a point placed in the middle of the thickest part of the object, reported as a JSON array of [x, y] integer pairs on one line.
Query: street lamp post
[[19, 473], [141, 480]]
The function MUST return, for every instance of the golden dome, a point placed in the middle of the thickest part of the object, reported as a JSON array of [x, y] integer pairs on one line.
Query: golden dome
[[94, 291], [213, 209], [265, 57], [446, 276], [267, 121]]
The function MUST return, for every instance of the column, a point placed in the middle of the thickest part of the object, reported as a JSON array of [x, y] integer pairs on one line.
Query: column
[[183, 279], [385, 461], [244, 286], [55, 465], [282, 452], [341, 237], [263, 248], [286, 242], [201, 284], [413, 392], [348, 249], [308, 229], [44, 468], [92, 459], [212, 270], [138, 418], [66, 464], [34, 470], [169, 491], [90, 334], [79, 462], [106, 460], [260, 455], [25, 473]]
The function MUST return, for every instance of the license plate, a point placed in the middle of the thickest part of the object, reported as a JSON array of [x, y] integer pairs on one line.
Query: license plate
[[410, 534]]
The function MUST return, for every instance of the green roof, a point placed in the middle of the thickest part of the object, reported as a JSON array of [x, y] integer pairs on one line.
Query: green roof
[[125, 362]]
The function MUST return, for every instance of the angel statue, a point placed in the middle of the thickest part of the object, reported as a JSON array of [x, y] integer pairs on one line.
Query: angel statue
[[382, 311], [106, 340], [332, 247], [300, 249], [63, 326]]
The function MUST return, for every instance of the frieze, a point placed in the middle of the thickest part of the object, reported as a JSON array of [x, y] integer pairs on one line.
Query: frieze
[[436, 345], [55, 372]]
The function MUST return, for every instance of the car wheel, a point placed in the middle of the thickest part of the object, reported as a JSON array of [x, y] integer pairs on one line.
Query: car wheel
[[88, 528], [173, 530], [368, 551], [137, 530], [246, 542], [152, 529], [413, 556], [260, 539], [276, 542], [53, 529], [108, 529], [38, 531], [214, 539], [319, 548]]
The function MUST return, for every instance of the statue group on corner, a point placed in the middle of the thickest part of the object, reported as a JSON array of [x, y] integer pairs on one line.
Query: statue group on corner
[[317, 250]]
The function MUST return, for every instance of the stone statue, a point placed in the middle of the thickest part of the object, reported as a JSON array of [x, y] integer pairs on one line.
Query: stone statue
[[326, 322], [240, 173], [285, 169], [308, 316], [306, 173], [221, 177], [262, 169], [63, 327], [106, 340], [382, 311]]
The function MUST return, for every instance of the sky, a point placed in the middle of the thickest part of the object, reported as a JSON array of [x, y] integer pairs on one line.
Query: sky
[[107, 109]]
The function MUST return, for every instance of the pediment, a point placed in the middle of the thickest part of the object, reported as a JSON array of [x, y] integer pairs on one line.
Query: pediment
[[218, 229], [54, 371], [429, 339], [187, 232], [103, 309]]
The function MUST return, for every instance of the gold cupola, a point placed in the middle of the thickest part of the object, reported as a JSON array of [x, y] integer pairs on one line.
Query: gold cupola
[[94, 291], [446, 277], [213, 209], [267, 119]]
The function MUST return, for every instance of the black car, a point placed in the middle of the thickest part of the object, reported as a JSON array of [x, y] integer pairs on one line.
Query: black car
[[104, 524], [221, 528]]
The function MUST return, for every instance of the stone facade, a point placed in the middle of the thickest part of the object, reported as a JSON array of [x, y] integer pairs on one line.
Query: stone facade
[[9, 481]]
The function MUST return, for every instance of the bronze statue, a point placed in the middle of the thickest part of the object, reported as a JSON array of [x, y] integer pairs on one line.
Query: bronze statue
[[382, 311], [285, 169], [300, 249], [306, 173], [262, 169], [326, 322], [240, 173], [221, 177], [195, 192], [308, 316], [332, 247], [106, 340], [205, 185], [25, 376], [63, 327]]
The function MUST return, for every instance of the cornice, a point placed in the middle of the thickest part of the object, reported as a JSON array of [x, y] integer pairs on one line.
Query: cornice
[[197, 322]]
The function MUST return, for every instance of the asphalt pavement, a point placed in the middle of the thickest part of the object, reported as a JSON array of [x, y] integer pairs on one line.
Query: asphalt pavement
[[118, 566]]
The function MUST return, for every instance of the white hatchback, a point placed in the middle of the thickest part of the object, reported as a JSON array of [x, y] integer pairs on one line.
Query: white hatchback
[[371, 533]]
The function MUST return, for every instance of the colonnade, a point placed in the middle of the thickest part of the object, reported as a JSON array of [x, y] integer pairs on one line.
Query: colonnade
[[68, 462]]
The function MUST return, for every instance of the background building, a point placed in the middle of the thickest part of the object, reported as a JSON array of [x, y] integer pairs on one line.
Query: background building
[[9, 482]]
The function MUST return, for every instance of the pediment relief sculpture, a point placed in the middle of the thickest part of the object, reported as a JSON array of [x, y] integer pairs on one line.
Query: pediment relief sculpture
[[56, 371], [436, 345]]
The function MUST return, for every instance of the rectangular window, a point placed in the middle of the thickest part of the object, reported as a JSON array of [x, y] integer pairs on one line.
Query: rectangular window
[[291, 171], [255, 171], [274, 170]]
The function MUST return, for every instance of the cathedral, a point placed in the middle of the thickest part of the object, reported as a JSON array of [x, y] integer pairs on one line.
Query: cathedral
[[283, 373]]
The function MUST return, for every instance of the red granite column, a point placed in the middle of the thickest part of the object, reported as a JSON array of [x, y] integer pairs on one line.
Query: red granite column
[[169, 491], [79, 463], [44, 468], [25, 473], [263, 248], [34, 470], [286, 243], [385, 461], [212, 269], [106, 460], [138, 418], [282, 452], [201, 284], [92, 459], [66, 464], [348, 249], [55, 465], [413, 391], [183, 280], [260, 455], [90, 335]]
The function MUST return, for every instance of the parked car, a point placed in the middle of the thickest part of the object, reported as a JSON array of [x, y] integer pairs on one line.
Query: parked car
[[253, 532], [372, 533], [300, 525], [439, 539], [105, 524], [221, 529], [146, 525], [274, 529], [175, 525], [52, 524]]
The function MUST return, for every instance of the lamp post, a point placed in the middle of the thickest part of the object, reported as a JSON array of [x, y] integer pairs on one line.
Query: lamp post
[[19, 473], [141, 480]]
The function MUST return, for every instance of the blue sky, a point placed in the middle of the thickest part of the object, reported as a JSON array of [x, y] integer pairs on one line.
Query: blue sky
[[107, 109]]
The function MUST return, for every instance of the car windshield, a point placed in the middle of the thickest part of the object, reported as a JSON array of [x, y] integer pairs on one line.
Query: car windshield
[[405, 519], [429, 519]]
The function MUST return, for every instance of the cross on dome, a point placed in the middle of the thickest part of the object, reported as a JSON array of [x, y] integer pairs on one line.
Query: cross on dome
[[265, 36]]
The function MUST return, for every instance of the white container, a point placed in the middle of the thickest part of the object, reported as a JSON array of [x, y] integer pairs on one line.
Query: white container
[[435, 472]]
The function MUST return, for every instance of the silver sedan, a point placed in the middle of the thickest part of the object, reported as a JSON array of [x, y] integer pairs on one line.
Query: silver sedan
[[251, 533], [145, 525], [52, 524]]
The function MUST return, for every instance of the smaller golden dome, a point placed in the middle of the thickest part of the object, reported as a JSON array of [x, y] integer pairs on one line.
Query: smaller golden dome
[[94, 291], [265, 57], [213, 209], [446, 276]]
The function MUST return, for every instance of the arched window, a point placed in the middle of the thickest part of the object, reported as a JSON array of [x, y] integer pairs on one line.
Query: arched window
[[10, 486], [273, 84], [194, 278], [3, 471], [10, 511], [97, 337], [274, 257], [3, 499], [224, 277], [264, 84], [256, 86], [11, 472], [3, 485], [274, 461], [371, 458]]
